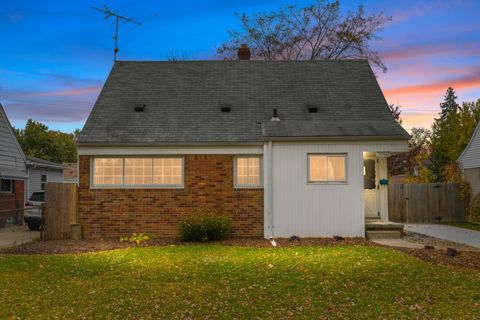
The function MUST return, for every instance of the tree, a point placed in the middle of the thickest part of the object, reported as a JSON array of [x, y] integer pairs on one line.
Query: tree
[[451, 133], [419, 150], [450, 105], [38, 141], [318, 31], [396, 112]]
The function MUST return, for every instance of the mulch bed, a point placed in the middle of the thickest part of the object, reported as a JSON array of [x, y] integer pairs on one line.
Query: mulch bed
[[463, 258]]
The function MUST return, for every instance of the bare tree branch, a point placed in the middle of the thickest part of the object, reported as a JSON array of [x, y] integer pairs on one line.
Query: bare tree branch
[[314, 32]]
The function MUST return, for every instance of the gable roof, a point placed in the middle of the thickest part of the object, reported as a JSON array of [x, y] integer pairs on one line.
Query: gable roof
[[12, 158], [183, 100], [38, 162], [470, 157]]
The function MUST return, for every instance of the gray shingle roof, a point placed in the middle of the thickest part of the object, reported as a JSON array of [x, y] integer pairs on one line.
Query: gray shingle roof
[[183, 101]]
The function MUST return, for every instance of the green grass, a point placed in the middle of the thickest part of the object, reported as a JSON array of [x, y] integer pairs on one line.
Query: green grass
[[223, 282], [466, 225]]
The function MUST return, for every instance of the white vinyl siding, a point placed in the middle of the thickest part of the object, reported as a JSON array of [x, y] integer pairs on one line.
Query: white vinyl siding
[[11, 156], [248, 172], [470, 158], [319, 209], [34, 182], [137, 172]]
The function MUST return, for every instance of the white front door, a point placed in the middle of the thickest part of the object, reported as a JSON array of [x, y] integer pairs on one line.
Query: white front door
[[371, 207], [370, 190]]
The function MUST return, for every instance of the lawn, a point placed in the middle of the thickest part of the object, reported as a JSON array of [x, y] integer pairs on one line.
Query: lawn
[[222, 282], [466, 225]]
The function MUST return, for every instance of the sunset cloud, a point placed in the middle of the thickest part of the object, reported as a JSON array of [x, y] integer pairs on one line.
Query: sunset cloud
[[470, 81]]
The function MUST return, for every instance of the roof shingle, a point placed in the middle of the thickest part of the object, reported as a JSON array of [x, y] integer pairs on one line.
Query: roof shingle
[[183, 101]]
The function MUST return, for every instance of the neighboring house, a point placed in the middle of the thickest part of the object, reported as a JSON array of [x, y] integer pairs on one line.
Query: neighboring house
[[13, 172], [40, 172], [469, 162], [284, 148]]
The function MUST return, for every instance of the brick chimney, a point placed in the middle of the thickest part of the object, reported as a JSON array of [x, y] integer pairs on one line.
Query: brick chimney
[[244, 52]]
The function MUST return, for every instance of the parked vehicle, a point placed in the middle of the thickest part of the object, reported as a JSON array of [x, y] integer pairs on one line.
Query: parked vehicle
[[33, 213]]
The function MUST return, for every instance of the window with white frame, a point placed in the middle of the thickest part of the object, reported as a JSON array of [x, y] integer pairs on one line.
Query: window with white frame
[[327, 168], [248, 172], [6, 186], [138, 171], [43, 181]]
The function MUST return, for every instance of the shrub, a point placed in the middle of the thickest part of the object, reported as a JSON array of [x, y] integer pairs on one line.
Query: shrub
[[474, 210], [136, 237], [205, 225]]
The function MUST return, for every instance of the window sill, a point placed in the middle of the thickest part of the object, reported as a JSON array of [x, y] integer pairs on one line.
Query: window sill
[[137, 187], [259, 188], [341, 183]]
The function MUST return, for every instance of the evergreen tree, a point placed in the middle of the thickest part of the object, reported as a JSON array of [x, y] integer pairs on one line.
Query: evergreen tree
[[450, 105]]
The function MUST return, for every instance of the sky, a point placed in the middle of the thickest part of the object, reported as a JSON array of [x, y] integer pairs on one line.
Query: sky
[[56, 55]]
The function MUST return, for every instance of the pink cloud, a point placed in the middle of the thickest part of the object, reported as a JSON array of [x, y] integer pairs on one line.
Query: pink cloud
[[57, 93], [470, 81]]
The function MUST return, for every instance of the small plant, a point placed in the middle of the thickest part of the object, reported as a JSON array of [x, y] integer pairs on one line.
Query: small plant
[[136, 237], [205, 225]]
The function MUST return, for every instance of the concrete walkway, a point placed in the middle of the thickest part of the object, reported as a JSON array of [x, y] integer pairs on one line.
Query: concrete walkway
[[17, 235], [454, 234], [400, 243]]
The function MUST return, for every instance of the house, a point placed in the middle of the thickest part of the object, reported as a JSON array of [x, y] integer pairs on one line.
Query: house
[[281, 147], [40, 172], [469, 162], [13, 173]]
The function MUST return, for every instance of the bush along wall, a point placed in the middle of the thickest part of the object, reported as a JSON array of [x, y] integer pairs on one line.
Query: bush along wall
[[205, 225]]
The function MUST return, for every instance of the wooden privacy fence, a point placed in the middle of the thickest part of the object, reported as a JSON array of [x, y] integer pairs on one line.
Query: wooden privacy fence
[[60, 210], [425, 202]]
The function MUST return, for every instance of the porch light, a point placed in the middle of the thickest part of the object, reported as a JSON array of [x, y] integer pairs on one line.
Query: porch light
[[364, 171]]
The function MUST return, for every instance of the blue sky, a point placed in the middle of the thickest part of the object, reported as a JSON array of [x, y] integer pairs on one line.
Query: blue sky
[[55, 55]]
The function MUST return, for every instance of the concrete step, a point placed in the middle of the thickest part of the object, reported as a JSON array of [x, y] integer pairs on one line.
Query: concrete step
[[383, 234]]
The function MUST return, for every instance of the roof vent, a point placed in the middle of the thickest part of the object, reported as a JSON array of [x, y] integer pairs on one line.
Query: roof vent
[[312, 108], [275, 116], [225, 108], [139, 108]]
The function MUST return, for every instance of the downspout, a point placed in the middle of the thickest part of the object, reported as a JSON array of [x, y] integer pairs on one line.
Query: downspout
[[270, 190]]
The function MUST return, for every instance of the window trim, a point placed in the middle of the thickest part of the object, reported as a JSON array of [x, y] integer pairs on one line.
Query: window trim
[[11, 186], [42, 184], [260, 172], [136, 186], [344, 155]]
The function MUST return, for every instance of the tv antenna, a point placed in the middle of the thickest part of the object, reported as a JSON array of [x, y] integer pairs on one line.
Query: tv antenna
[[108, 14]]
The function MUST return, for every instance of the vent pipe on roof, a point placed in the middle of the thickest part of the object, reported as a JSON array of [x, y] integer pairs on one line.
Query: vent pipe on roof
[[244, 52], [275, 116]]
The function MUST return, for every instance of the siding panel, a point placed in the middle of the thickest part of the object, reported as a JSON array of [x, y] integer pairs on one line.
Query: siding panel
[[319, 210], [34, 178]]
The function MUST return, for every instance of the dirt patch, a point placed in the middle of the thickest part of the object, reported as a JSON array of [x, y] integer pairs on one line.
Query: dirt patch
[[464, 259], [82, 246]]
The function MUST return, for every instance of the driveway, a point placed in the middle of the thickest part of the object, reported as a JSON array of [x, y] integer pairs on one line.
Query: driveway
[[454, 234], [17, 235]]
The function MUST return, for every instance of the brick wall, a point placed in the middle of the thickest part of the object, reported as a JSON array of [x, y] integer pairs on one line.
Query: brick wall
[[11, 201], [208, 183]]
